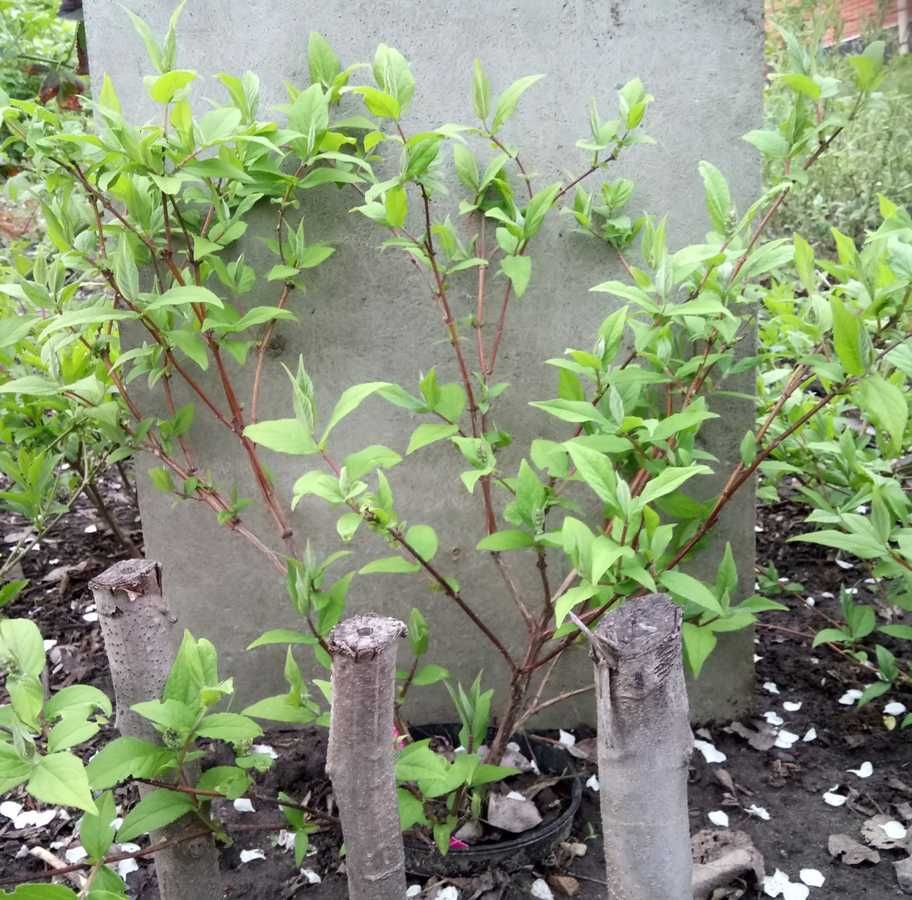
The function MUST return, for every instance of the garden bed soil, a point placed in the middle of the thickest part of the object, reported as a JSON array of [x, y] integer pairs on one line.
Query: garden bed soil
[[787, 783]]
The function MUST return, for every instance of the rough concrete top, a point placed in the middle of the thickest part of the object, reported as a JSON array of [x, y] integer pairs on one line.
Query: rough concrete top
[[126, 575], [365, 635]]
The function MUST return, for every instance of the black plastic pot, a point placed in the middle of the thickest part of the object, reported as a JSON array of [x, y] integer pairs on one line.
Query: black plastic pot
[[512, 853]]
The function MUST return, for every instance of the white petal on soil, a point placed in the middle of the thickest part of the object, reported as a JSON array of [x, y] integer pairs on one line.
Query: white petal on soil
[[865, 770], [50, 644], [895, 708], [10, 809], [773, 718], [90, 617], [774, 884], [717, 817], [710, 753], [792, 705], [447, 893], [413, 890], [795, 891], [75, 855], [894, 830], [757, 658], [785, 739], [844, 565], [250, 855], [90, 529], [34, 818], [849, 697], [541, 890], [759, 811], [126, 866], [593, 783], [771, 687], [311, 876], [265, 749], [810, 601], [567, 739], [243, 805], [812, 877], [810, 735], [834, 799]]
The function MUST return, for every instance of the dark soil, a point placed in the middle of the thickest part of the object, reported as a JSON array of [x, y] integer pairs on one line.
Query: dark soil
[[788, 784]]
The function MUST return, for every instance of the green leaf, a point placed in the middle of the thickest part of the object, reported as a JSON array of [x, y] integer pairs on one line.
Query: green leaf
[[506, 102], [430, 674], [570, 598], [41, 892], [231, 781], [321, 484], [389, 565], [379, 103], [31, 385], [885, 406], [350, 400], [506, 540], [229, 727], [171, 714], [518, 269], [70, 731], [163, 88], [428, 433], [22, 643], [184, 295], [418, 635], [282, 636], [61, 779], [373, 457], [280, 709], [718, 196], [481, 91], [605, 553], [395, 203], [690, 589], [770, 143], [903, 632], [573, 411], [596, 469], [423, 540], [830, 636], [868, 66], [862, 546], [123, 758], [411, 810], [152, 47], [322, 62], [848, 337], [283, 436], [14, 769], [96, 832], [669, 480], [538, 208], [699, 642], [158, 808]]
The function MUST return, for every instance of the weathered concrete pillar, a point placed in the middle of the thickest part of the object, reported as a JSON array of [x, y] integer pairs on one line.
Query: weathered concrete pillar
[[367, 317]]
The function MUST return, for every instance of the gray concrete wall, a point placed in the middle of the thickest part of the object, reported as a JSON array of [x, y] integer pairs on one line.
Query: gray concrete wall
[[368, 317]]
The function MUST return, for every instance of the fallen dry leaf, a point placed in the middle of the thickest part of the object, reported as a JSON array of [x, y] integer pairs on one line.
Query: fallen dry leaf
[[850, 851], [565, 885], [512, 812]]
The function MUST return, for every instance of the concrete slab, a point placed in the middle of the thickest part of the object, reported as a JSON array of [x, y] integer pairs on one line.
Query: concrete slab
[[368, 317]]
